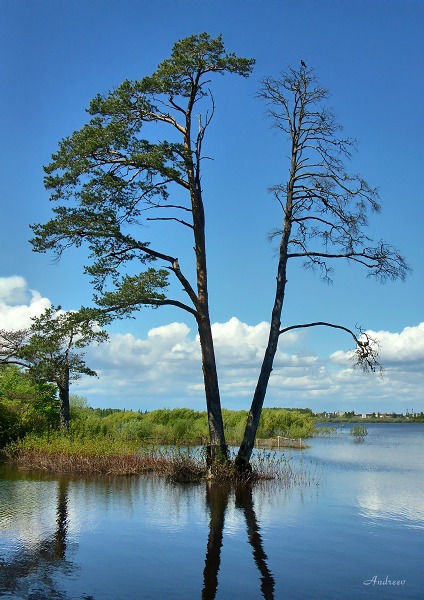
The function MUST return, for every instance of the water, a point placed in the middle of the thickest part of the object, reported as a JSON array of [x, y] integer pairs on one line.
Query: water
[[358, 534]]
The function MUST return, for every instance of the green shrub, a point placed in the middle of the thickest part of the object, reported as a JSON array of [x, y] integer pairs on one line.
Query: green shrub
[[285, 423], [359, 432], [26, 406]]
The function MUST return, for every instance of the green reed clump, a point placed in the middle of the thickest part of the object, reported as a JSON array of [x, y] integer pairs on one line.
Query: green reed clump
[[276, 466], [265, 466], [109, 456], [185, 466]]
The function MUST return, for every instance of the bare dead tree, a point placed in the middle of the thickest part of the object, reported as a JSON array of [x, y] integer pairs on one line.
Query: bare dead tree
[[324, 213]]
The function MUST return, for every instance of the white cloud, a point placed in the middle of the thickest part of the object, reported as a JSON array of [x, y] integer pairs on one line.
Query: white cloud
[[406, 346], [18, 304], [164, 367], [13, 289], [395, 349], [239, 344], [168, 361]]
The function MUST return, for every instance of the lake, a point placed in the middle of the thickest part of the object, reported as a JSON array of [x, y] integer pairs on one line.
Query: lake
[[356, 533]]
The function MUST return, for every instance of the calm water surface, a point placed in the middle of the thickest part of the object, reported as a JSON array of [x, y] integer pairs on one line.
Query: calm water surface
[[351, 537]]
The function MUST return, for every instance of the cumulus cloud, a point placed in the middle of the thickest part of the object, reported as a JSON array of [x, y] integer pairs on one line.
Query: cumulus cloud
[[395, 349], [168, 362], [401, 356], [163, 368], [404, 347], [18, 303], [169, 358]]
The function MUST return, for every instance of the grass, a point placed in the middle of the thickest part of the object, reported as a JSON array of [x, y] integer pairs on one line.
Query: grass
[[100, 456], [110, 456]]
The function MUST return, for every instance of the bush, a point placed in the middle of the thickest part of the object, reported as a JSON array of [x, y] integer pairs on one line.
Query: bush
[[285, 423], [26, 406], [359, 432]]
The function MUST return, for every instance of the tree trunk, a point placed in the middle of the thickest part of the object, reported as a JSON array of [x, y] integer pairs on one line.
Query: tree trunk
[[64, 405], [254, 415], [210, 376], [245, 450]]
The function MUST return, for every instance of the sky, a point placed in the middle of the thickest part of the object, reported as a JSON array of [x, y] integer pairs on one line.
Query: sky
[[56, 55]]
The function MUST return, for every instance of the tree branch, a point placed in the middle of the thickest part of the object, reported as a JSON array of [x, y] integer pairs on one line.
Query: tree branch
[[366, 353], [125, 306], [170, 219]]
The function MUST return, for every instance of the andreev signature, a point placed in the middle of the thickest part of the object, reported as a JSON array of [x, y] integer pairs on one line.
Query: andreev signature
[[377, 581]]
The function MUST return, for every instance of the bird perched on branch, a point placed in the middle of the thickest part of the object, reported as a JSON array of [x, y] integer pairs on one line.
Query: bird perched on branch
[[302, 63]]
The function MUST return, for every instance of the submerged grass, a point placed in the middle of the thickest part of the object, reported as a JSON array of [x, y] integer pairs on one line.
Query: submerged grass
[[100, 456], [111, 456]]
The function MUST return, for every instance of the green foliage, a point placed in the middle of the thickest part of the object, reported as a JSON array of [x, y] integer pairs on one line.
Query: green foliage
[[234, 424], [53, 349], [26, 406], [192, 58], [112, 174], [359, 432], [286, 423], [180, 425], [144, 285], [350, 414]]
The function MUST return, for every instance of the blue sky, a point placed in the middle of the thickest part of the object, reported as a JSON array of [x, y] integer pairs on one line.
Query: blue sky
[[57, 55]]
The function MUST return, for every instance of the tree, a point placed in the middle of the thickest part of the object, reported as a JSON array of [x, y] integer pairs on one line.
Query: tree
[[324, 216], [115, 177], [25, 405], [359, 432], [51, 350]]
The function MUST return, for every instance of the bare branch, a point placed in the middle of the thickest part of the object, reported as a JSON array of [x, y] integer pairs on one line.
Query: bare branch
[[176, 206], [366, 353], [383, 261], [170, 219]]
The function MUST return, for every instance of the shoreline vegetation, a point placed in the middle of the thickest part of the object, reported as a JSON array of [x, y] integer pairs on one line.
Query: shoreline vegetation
[[64, 455], [164, 442]]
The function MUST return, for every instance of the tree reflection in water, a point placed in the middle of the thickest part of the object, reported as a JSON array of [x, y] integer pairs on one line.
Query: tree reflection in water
[[38, 570], [30, 571], [61, 521], [217, 498]]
